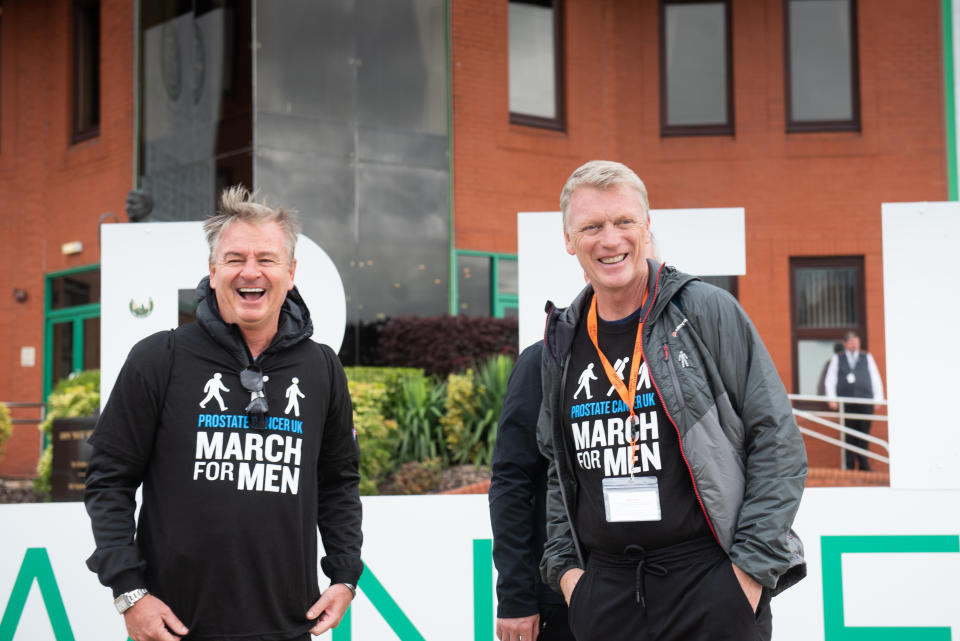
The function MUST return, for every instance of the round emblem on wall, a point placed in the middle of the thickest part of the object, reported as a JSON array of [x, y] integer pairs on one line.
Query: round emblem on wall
[[140, 310]]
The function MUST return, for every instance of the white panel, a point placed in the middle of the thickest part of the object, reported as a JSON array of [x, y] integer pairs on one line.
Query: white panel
[[545, 271], [705, 242], [798, 612], [415, 544], [921, 308], [146, 264]]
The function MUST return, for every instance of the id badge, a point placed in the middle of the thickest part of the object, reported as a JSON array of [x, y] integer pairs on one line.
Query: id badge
[[628, 499]]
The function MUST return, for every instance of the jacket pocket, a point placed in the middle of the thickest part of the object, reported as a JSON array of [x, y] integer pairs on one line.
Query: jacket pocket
[[581, 589]]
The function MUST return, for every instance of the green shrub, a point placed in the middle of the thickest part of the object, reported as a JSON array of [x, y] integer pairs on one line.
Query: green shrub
[[70, 398], [416, 404], [377, 435], [461, 404], [491, 380], [6, 426], [43, 483], [473, 404]]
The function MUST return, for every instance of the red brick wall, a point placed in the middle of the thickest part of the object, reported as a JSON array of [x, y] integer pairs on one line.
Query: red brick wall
[[52, 191], [804, 194]]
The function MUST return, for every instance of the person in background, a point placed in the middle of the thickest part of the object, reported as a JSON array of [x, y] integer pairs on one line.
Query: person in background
[[853, 373], [526, 608]]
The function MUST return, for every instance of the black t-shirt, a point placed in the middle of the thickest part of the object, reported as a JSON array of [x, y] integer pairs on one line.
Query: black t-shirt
[[595, 434]]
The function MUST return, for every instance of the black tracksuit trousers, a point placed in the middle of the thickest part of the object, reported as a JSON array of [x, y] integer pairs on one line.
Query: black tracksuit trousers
[[685, 592]]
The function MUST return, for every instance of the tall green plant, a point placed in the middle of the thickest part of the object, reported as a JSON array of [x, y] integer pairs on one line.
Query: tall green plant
[[460, 407], [473, 410], [417, 405]]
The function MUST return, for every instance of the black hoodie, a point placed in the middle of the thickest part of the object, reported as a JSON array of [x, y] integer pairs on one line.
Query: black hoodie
[[227, 530]]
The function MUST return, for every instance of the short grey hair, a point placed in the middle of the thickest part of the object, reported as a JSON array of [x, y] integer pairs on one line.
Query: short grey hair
[[602, 174], [238, 204]]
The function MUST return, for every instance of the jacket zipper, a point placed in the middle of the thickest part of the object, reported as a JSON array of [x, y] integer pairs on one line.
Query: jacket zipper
[[683, 455]]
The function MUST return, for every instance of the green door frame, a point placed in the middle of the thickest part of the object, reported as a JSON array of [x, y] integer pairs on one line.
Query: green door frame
[[76, 315], [498, 302]]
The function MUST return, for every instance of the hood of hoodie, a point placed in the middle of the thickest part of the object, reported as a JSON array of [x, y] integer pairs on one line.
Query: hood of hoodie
[[664, 283], [293, 326]]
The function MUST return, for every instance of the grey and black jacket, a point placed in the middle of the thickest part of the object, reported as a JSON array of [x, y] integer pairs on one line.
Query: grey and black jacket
[[721, 391]]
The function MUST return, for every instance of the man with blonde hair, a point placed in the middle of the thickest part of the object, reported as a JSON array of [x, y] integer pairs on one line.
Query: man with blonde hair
[[670, 499], [226, 543]]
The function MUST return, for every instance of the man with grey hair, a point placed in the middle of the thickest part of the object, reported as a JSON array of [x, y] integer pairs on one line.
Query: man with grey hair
[[233, 494], [670, 499]]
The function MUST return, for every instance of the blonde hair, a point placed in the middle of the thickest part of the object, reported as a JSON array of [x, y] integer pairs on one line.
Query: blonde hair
[[602, 174], [238, 204]]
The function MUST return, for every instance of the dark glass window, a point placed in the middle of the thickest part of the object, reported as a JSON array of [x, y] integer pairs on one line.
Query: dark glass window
[[507, 277], [821, 65], [696, 74], [826, 300], [487, 284], [196, 104], [473, 285], [80, 288], [729, 283], [91, 343], [86, 69], [536, 76]]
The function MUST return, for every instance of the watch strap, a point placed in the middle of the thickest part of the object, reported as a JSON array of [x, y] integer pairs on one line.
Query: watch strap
[[126, 600]]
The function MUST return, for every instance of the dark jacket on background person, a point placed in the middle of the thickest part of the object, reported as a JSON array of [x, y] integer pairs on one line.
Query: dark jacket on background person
[[737, 433], [227, 533], [517, 494]]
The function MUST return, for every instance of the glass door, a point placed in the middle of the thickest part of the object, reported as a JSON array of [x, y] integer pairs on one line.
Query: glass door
[[72, 324]]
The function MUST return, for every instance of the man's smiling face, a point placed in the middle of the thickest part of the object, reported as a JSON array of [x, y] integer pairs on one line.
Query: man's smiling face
[[607, 230], [251, 274]]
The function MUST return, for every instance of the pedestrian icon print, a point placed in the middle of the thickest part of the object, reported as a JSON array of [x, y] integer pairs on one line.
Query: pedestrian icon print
[[213, 388], [294, 394]]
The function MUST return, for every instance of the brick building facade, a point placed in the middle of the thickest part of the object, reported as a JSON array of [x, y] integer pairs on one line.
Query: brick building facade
[[806, 194], [54, 190]]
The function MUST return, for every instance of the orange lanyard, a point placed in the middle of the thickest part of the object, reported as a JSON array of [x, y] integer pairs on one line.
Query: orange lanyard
[[627, 396]]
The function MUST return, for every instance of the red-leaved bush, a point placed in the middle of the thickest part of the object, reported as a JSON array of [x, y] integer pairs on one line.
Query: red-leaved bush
[[443, 344]]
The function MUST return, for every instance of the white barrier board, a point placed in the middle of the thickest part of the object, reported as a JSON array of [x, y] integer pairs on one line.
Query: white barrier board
[[705, 242], [877, 558], [921, 308]]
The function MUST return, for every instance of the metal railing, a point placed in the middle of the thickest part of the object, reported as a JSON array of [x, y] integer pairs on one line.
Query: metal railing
[[16, 406], [823, 419]]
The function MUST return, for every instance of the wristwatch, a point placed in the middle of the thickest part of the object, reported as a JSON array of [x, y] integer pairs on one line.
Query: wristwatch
[[127, 599], [351, 587]]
